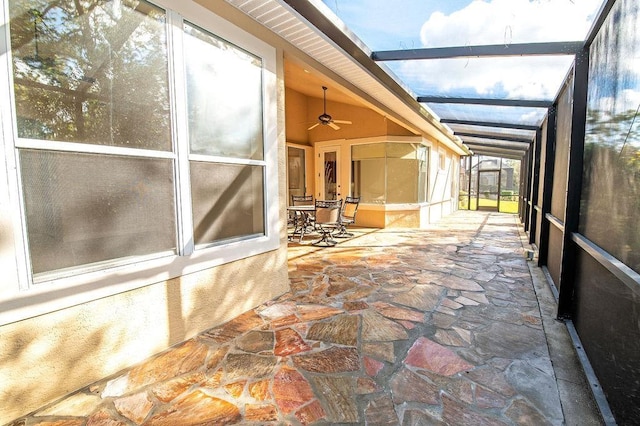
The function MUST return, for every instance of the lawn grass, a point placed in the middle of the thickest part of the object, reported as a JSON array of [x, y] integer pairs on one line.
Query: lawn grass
[[509, 207], [505, 206]]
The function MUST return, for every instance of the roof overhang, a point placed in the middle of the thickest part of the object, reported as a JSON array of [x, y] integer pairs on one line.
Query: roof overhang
[[311, 28]]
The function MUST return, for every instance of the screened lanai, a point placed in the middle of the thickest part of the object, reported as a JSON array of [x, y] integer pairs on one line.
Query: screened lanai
[[490, 70], [124, 233], [555, 86]]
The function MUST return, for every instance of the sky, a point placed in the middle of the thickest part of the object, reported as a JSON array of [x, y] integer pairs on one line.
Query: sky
[[406, 24], [386, 24]]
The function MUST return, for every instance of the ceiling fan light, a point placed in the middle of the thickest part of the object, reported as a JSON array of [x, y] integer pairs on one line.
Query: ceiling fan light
[[325, 119]]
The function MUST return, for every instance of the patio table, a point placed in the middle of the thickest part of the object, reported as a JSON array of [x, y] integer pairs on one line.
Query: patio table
[[301, 220]]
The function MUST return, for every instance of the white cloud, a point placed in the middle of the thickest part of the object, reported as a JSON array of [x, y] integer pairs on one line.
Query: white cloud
[[517, 78], [510, 21], [500, 22], [628, 100]]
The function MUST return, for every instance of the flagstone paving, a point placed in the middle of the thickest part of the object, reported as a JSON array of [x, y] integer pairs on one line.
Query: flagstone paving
[[392, 327]]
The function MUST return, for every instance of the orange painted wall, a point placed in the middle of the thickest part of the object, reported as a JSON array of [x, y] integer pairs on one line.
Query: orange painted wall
[[303, 111], [296, 117]]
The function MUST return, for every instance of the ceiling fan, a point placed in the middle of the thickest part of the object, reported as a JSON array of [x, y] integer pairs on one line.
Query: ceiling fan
[[325, 119]]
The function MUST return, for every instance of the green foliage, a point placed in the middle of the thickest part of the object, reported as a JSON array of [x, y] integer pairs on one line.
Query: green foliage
[[91, 72], [610, 200]]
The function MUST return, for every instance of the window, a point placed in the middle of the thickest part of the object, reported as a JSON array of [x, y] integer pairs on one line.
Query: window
[[389, 173], [442, 160], [91, 72], [225, 114], [296, 176], [225, 120], [423, 174], [139, 136], [95, 76]]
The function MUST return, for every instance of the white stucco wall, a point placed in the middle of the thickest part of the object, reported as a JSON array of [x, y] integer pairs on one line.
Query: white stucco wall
[[46, 357]]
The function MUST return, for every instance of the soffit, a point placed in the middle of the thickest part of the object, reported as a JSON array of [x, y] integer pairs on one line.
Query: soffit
[[308, 82], [290, 25]]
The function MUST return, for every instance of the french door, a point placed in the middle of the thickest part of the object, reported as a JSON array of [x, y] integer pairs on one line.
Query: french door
[[328, 167]]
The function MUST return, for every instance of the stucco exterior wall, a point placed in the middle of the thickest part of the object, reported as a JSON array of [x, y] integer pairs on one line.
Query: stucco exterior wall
[[297, 120], [370, 218], [416, 216], [46, 357]]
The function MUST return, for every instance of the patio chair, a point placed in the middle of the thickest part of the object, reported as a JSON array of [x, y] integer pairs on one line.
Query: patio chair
[[304, 200], [347, 216], [327, 221]]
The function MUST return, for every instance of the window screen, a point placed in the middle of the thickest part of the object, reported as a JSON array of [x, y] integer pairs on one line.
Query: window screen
[[227, 201], [80, 212], [611, 186]]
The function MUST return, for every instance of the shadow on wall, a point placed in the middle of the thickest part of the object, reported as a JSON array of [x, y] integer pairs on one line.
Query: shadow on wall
[[45, 358]]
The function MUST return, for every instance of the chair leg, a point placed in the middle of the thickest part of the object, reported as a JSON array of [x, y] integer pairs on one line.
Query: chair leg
[[343, 233], [325, 240]]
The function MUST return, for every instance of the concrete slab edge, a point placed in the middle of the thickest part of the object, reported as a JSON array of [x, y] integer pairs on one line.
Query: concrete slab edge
[[552, 285], [594, 383], [597, 393]]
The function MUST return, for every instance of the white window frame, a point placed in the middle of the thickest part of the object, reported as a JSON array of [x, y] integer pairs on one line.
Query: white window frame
[[397, 140], [20, 298], [442, 160]]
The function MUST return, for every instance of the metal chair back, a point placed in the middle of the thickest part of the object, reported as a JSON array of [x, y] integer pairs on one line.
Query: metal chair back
[[327, 220], [347, 216], [349, 209], [302, 200], [328, 212]]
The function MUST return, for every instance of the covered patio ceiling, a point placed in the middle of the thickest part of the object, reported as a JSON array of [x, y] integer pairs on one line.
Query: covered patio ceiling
[[494, 89]]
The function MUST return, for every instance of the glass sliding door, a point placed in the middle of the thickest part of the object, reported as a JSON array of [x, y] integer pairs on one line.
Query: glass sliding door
[[330, 178], [296, 173]]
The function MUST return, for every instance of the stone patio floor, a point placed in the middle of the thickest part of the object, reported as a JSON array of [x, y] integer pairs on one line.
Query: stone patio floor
[[391, 327]]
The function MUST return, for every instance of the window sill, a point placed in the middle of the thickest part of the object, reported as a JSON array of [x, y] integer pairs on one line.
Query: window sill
[[49, 296]]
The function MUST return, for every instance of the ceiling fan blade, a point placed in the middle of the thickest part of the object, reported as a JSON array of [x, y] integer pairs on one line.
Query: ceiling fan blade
[[342, 121], [314, 126], [333, 126]]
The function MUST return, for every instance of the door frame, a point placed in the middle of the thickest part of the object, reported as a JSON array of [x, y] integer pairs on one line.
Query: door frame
[[499, 172], [308, 168], [320, 181]]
